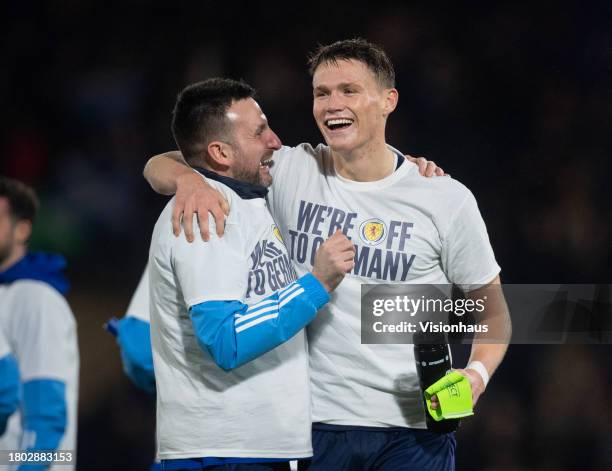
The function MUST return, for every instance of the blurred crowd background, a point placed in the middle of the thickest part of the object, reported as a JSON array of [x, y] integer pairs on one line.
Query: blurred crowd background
[[514, 101]]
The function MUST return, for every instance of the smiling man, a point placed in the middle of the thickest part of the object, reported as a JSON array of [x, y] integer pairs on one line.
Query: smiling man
[[405, 228], [351, 107], [227, 316]]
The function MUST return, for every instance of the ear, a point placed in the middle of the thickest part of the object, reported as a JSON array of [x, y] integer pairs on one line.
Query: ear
[[220, 153], [23, 231], [391, 97]]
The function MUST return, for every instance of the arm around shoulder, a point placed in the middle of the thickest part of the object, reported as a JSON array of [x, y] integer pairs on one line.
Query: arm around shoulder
[[163, 170]]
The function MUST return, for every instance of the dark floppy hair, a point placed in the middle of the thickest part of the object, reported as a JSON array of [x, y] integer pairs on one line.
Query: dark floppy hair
[[22, 199], [199, 115], [358, 49]]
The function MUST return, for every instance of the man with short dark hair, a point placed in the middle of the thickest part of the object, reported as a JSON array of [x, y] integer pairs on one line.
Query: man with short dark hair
[[367, 405], [39, 325], [227, 316]]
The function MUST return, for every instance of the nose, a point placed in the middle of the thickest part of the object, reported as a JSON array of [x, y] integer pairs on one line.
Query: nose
[[274, 141], [334, 103]]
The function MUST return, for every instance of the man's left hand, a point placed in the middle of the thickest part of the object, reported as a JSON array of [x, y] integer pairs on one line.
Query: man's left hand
[[476, 383], [426, 168]]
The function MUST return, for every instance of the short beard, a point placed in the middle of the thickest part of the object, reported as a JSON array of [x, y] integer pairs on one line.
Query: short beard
[[240, 173], [247, 177]]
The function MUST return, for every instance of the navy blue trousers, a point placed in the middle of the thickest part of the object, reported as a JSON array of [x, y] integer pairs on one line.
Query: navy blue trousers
[[272, 466], [352, 448], [284, 466]]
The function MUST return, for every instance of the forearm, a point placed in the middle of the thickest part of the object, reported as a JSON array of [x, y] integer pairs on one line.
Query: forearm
[[134, 339], [9, 389], [44, 414], [234, 333], [490, 347], [490, 355], [164, 170]]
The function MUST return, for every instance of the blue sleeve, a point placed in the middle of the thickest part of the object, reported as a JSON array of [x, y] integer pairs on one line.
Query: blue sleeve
[[44, 416], [234, 333], [9, 389], [134, 339]]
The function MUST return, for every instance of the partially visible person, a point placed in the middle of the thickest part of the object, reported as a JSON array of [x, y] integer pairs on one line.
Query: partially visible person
[[227, 316], [40, 327], [9, 383], [133, 333], [134, 337]]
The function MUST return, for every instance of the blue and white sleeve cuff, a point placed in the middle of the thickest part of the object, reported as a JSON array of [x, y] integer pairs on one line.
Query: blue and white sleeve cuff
[[314, 289]]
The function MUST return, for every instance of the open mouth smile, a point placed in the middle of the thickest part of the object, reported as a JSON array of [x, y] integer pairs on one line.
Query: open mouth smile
[[336, 124]]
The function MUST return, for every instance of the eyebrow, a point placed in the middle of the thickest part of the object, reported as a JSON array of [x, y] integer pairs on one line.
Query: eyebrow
[[340, 85], [261, 128]]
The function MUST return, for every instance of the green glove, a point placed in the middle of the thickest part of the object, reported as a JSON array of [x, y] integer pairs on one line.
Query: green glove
[[454, 397]]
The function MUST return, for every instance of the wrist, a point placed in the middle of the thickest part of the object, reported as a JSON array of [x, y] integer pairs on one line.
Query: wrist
[[321, 280], [186, 174], [479, 368], [316, 290]]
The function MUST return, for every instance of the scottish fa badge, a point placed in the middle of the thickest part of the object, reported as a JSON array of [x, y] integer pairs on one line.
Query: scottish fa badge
[[373, 231]]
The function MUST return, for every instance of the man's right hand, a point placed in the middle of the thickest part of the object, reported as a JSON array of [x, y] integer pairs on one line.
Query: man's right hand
[[334, 259], [194, 195]]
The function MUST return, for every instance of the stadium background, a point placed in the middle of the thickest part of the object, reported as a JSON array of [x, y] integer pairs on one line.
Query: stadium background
[[512, 100]]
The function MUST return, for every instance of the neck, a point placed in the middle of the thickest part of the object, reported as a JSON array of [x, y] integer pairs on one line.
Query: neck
[[374, 161], [17, 254], [244, 189], [218, 169]]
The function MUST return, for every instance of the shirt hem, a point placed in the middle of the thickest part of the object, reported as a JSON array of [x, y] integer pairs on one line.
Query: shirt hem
[[371, 428], [237, 454], [367, 423]]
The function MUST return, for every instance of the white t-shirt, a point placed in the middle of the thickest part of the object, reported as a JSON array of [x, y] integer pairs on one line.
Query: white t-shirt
[[258, 410], [41, 330], [139, 304], [406, 229]]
